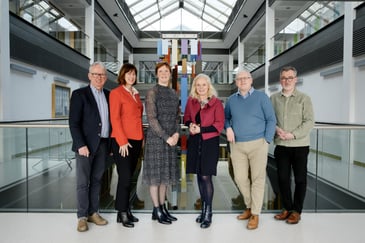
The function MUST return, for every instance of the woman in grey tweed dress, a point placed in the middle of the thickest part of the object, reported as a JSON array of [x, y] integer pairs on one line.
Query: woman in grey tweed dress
[[160, 165]]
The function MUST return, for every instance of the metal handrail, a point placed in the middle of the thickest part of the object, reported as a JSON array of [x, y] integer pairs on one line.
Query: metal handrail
[[41, 125]]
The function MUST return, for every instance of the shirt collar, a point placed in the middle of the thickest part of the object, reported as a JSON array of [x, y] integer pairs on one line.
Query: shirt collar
[[95, 90], [294, 93], [134, 90], [251, 90]]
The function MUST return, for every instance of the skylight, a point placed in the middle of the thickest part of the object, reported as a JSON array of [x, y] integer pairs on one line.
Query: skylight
[[182, 15]]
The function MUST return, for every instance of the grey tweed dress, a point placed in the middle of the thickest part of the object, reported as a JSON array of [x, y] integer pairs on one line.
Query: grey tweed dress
[[160, 164]]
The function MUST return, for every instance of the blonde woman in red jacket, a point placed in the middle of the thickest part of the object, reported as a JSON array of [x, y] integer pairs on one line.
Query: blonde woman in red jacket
[[127, 136], [204, 115]]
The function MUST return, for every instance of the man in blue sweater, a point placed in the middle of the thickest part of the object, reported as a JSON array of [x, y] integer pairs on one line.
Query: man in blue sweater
[[250, 127]]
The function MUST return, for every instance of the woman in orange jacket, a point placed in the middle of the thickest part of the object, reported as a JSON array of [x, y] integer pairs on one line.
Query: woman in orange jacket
[[127, 136]]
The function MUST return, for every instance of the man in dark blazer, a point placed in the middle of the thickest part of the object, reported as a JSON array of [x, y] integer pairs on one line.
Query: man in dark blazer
[[90, 130]]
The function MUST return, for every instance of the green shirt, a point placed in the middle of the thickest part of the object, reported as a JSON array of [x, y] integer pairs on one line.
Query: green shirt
[[294, 114]]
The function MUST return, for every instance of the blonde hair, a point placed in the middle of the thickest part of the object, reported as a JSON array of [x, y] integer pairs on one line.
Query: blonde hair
[[211, 89]]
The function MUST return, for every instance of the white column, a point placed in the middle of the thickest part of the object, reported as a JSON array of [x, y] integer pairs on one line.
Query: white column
[[240, 54], [348, 82], [130, 58], [120, 52], [89, 30], [230, 68], [5, 82], [269, 41]]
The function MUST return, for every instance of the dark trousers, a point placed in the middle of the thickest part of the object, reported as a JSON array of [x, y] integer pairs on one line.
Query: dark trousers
[[89, 172], [125, 167], [288, 159]]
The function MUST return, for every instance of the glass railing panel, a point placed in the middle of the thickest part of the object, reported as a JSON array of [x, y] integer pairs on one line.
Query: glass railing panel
[[37, 170], [51, 168], [335, 165], [13, 169], [357, 162], [330, 161], [36, 166]]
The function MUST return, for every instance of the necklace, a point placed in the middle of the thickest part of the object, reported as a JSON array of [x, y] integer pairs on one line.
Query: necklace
[[204, 102]]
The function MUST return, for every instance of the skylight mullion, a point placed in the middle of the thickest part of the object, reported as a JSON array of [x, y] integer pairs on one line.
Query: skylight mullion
[[149, 16], [219, 11], [225, 3], [144, 9], [214, 17], [150, 23]]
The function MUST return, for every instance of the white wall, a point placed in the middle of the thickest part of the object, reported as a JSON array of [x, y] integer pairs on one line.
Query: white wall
[[30, 96], [360, 94], [328, 97]]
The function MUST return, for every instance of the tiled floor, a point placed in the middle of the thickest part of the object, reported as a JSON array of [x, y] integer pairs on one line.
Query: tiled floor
[[61, 227]]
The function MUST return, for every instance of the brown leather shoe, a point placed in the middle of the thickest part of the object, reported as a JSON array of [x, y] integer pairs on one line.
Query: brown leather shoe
[[245, 215], [294, 218], [82, 225], [253, 222], [97, 219], [283, 215]]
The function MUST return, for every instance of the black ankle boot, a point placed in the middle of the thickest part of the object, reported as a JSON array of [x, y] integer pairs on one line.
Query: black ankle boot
[[131, 216], [160, 216], [122, 217], [199, 219], [207, 217], [166, 212]]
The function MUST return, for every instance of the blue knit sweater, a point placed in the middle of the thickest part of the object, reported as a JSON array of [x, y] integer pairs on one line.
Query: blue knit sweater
[[251, 117]]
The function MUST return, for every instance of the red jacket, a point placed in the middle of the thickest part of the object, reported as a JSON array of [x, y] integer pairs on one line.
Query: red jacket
[[212, 114], [125, 115]]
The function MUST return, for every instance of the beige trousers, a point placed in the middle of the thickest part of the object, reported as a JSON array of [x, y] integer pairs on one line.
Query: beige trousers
[[249, 160]]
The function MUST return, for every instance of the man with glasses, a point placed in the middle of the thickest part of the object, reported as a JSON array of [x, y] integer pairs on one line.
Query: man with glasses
[[250, 127], [295, 119], [90, 129]]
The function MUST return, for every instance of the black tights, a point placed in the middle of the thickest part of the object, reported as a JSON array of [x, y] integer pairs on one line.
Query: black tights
[[206, 189]]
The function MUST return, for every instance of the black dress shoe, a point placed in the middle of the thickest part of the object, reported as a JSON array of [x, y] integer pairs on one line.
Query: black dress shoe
[[207, 217], [167, 214], [122, 217], [199, 219], [157, 214], [131, 216]]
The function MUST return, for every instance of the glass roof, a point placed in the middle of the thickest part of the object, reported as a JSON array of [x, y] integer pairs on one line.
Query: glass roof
[[182, 15]]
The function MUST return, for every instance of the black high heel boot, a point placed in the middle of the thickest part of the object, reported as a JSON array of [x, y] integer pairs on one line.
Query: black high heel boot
[[160, 216], [166, 212], [207, 217], [131, 216], [122, 217], [199, 219]]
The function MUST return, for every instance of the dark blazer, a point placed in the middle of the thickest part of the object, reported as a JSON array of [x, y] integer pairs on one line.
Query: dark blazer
[[84, 119]]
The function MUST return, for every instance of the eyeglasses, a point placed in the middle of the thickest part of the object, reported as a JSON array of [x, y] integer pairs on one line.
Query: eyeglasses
[[287, 78], [100, 75], [243, 79]]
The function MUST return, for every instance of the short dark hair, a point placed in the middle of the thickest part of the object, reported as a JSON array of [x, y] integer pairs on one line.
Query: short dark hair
[[289, 68], [161, 64], [126, 68]]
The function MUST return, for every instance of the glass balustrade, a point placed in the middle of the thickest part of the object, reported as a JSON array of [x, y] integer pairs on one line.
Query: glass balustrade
[[217, 77], [37, 169]]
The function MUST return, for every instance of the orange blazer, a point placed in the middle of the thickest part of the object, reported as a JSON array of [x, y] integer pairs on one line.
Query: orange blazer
[[125, 115]]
